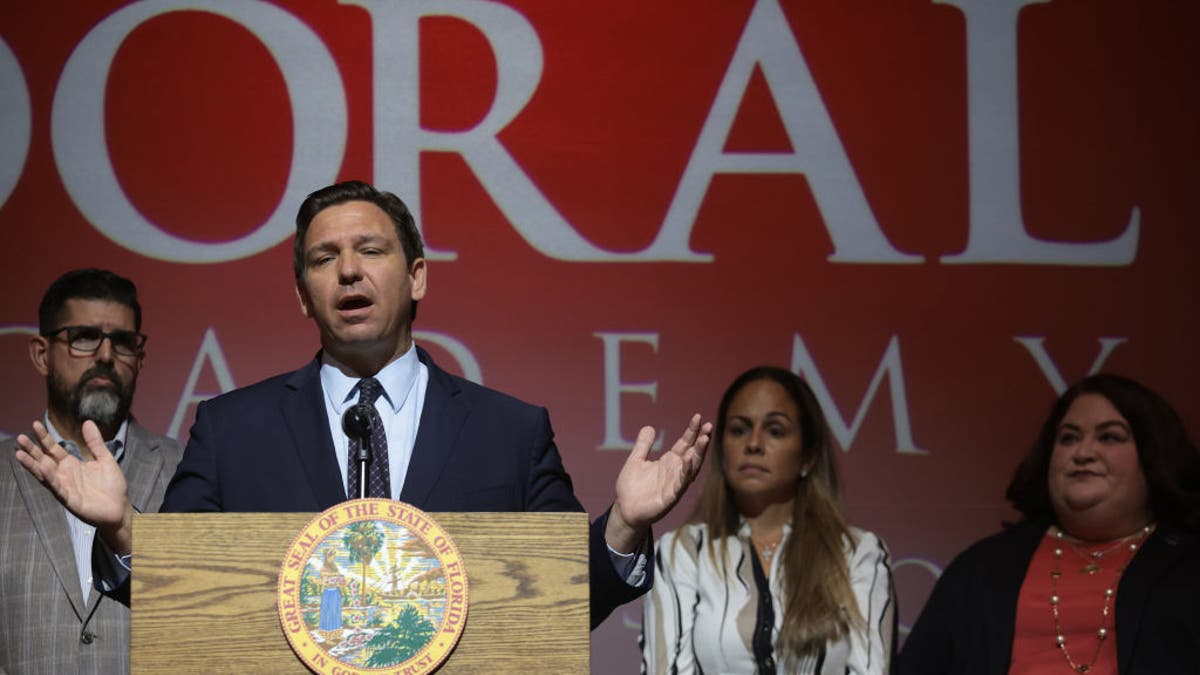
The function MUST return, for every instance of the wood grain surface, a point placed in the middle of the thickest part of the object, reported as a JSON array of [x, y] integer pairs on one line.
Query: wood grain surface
[[204, 592]]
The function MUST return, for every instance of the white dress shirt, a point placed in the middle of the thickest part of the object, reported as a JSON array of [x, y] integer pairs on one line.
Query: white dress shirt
[[82, 534], [404, 381]]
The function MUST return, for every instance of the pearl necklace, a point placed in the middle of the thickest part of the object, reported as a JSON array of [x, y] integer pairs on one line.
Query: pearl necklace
[[1109, 592]]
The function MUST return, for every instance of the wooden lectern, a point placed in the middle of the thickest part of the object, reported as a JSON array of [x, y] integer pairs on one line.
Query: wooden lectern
[[204, 592]]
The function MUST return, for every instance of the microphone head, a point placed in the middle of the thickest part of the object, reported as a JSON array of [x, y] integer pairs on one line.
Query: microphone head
[[356, 422]]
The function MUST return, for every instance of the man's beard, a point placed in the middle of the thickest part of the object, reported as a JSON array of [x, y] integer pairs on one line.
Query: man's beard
[[107, 406]]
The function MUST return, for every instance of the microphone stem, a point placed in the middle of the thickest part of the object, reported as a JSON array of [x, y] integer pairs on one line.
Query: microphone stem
[[362, 478]]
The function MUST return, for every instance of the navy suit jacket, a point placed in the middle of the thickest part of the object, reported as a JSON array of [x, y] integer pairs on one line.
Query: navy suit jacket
[[267, 448]]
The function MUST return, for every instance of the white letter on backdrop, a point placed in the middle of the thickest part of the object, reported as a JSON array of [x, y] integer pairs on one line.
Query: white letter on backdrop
[[768, 42], [458, 349], [400, 138], [1036, 346], [804, 365], [926, 565], [210, 351], [997, 225], [614, 387], [81, 149], [15, 121]]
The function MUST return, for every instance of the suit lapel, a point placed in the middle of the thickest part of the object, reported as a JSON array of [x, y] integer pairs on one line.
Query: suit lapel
[[1161, 551], [303, 409], [141, 465], [50, 521], [442, 419]]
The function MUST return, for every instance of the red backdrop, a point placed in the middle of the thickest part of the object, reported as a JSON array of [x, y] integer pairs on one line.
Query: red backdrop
[[937, 212]]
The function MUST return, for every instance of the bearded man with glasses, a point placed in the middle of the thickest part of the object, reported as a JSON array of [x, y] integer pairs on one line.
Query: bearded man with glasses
[[90, 349]]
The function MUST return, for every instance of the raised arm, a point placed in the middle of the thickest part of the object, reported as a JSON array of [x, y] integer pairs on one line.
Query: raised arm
[[94, 491], [647, 488]]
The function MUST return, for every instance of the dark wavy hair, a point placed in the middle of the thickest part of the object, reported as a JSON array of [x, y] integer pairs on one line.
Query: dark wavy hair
[[358, 191], [86, 284], [1168, 457]]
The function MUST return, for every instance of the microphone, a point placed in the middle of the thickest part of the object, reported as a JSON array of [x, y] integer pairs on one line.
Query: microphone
[[358, 423]]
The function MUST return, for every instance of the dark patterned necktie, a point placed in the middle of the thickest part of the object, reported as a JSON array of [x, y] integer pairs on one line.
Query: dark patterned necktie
[[379, 484]]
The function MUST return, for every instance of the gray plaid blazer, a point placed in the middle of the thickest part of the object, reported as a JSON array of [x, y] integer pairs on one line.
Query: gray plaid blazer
[[46, 625]]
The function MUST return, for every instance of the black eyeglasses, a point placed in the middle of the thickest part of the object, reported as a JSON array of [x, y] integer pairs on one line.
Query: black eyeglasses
[[87, 340]]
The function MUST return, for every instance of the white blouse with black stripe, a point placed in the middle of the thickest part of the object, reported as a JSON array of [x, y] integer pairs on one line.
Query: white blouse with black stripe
[[697, 620]]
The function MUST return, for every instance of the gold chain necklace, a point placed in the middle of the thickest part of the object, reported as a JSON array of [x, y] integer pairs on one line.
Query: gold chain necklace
[[1109, 592], [1093, 559]]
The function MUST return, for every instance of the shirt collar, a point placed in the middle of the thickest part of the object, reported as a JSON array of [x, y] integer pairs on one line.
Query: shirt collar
[[117, 441], [396, 378]]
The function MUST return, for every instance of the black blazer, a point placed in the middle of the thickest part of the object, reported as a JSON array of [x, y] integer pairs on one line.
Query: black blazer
[[267, 447], [967, 625]]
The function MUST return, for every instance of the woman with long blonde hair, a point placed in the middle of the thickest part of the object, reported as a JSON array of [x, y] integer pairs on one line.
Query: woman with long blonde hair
[[768, 577]]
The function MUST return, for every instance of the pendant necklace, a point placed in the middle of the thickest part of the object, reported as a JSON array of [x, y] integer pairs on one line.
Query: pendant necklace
[[1109, 592], [1092, 559], [767, 551]]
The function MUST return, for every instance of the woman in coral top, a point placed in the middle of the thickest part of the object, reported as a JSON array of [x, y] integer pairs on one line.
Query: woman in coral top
[[1102, 574]]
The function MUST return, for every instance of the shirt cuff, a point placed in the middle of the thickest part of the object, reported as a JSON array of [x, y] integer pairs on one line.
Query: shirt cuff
[[109, 570], [630, 566]]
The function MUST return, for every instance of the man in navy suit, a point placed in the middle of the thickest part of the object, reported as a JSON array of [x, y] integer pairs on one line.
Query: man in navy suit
[[452, 445]]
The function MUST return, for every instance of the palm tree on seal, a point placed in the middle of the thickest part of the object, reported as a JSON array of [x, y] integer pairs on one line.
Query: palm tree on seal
[[364, 540]]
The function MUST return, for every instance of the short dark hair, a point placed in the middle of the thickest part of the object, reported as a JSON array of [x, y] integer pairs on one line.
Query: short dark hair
[[1168, 457], [86, 284], [357, 191]]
